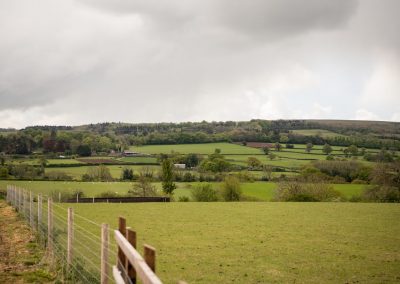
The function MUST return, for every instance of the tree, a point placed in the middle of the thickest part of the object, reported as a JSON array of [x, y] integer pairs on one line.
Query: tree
[[278, 146], [167, 175], [204, 193], [127, 174], [283, 138], [267, 172], [231, 190], [3, 172], [192, 160], [253, 163], [84, 150], [143, 187], [327, 149], [100, 173], [265, 150], [353, 150], [309, 146]]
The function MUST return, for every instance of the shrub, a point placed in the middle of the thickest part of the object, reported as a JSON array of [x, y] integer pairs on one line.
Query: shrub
[[183, 199], [188, 177], [143, 187], [298, 191], [204, 193], [382, 193], [231, 190], [127, 174], [58, 175], [107, 194]]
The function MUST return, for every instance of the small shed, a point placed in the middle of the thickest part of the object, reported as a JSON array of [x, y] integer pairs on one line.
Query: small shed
[[180, 166]]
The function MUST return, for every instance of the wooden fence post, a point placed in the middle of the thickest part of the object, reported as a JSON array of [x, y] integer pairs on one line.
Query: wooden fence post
[[31, 220], [70, 245], [25, 204], [19, 200], [39, 212], [104, 254], [121, 255], [131, 237], [50, 226], [150, 257]]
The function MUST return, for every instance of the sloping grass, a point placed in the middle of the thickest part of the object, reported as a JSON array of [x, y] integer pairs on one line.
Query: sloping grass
[[208, 148], [320, 132]]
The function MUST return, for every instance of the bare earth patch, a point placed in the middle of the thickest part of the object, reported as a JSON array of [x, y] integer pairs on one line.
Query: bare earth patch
[[20, 254]]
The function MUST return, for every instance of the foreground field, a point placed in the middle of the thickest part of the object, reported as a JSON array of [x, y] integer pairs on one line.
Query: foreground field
[[262, 191], [264, 242]]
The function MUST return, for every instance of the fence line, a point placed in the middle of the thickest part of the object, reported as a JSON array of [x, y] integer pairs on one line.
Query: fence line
[[82, 255]]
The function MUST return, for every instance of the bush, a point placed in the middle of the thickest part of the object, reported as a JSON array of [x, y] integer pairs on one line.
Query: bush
[[183, 199], [127, 174], [57, 175], [107, 194], [204, 193], [231, 190], [188, 177], [305, 192], [382, 193]]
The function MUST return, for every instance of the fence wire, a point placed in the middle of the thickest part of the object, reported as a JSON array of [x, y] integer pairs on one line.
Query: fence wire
[[85, 266]]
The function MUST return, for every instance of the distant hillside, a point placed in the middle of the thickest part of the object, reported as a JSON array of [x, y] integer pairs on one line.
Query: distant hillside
[[102, 137]]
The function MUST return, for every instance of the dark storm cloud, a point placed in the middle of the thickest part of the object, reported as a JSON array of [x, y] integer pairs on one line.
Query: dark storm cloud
[[148, 60]]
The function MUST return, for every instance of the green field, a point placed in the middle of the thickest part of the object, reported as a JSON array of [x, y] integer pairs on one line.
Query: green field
[[115, 170], [261, 242], [262, 191], [317, 132], [209, 148]]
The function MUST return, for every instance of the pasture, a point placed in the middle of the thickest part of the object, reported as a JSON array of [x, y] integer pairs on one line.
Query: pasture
[[204, 149], [115, 170], [262, 191], [250, 242], [317, 132]]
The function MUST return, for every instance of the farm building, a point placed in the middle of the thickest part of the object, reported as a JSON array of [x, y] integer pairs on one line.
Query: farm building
[[127, 153], [180, 166]]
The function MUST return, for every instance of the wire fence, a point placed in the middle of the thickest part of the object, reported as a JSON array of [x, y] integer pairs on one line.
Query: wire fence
[[75, 245]]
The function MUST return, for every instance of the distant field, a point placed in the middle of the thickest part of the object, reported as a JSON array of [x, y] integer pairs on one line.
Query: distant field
[[252, 242], [320, 132], [260, 190], [137, 159], [115, 170], [209, 148]]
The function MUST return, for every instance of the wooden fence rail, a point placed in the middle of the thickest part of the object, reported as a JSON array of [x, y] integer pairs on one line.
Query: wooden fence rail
[[131, 266], [129, 258]]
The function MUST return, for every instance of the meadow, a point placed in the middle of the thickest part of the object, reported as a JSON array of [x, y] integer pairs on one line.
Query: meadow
[[258, 242], [115, 170], [204, 149], [262, 191], [317, 132]]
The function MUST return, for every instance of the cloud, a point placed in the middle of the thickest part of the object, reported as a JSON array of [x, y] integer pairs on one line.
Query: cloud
[[382, 90], [363, 114], [86, 61]]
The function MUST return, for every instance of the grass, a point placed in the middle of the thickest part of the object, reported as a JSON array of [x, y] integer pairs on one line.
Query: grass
[[264, 191], [204, 149], [263, 242], [259, 190], [137, 160], [115, 170], [320, 132]]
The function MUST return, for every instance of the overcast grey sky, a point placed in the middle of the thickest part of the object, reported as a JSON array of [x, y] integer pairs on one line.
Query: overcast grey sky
[[82, 61]]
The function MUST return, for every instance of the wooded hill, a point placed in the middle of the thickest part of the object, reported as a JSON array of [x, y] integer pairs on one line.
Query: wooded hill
[[103, 137]]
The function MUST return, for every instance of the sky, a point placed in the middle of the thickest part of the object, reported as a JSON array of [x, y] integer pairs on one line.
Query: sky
[[74, 62]]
